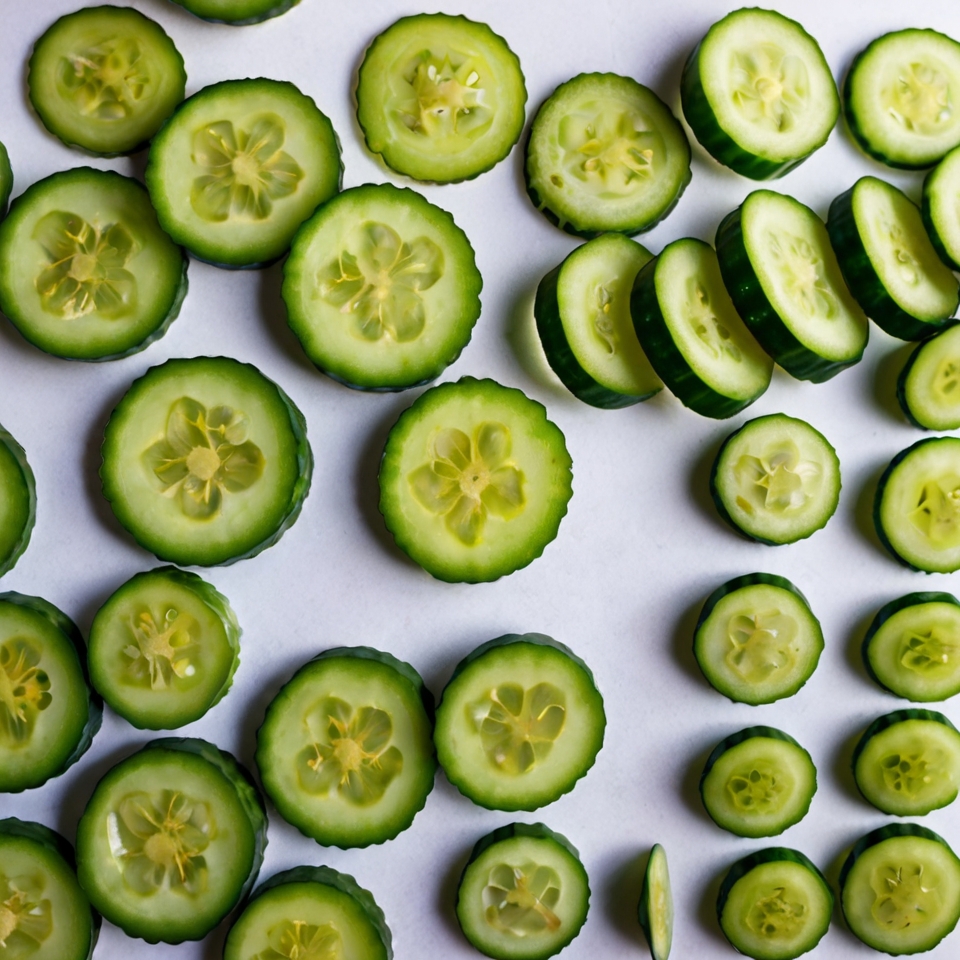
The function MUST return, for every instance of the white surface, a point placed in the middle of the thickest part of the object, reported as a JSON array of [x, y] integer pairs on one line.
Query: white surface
[[638, 552]]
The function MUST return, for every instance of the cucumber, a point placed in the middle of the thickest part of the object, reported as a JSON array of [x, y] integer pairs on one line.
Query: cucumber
[[758, 93], [758, 782], [86, 272], [605, 154], [18, 501], [104, 79], [692, 335], [524, 894], [6, 179], [440, 98], [756, 639], [928, 388], [785, 282], [474, 480], [239, 166], [164, 648], [519, 722], [48, 715], [205, 461], [382, 288], [237, 12], [776, 480], [655, 911], [171, 840], [900, 889], [582, 309], [938, 208], [345, 750]]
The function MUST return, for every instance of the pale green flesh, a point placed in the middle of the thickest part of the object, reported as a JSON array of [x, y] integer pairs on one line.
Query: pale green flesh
[[933, 382], [659, 896], [942, 191], [15, 514]]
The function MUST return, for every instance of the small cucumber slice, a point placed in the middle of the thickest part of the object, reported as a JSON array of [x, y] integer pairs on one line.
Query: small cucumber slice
[[104, 79], [692, 335], [164, 648], [18, 501], [941, 188], [519, 723], [237, 12], [655, 911], [524, 894], [381, 288], [345, 750], [776, 480], [757, 640], [86, 272], [928, 387], [239, 166], [606, 154], [583, 317], [440, 98], [900, 889], [205, 461], [6, 179], [758, 93], [171, 840], [474, 480], [774, 904]]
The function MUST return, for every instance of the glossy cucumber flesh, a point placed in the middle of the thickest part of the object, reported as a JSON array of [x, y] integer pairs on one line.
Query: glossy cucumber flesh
[[18, 501], [928, 388], [941, 188], [655, 911]]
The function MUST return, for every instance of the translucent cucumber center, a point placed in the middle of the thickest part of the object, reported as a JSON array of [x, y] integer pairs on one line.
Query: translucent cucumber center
[[937, 514], [777, 479], [467, 481], [901, 254], [918, 97], [204, 457], [911, 771], [802, 274], [946, 381], [761, 645], [26, 919], [902, 897], [777, 916], [245, 171], [757, 789], [299, 940], [520, 900], [107, 81], [609, 315], [160, 654], [24, 690], [378, 280], [771, 88], [928, 653], [707, 325]]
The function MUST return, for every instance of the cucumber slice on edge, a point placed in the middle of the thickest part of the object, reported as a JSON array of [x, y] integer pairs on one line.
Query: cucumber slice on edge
[[18, 501], [6, 179], [237, 13], [938, 207], [927, 386], [655, 910]]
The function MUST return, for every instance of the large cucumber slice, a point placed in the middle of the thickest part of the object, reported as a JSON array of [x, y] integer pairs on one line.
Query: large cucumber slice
[[6, 179], [655, 910], [941, 187], [237, 12], [928, 387], [18, 501]]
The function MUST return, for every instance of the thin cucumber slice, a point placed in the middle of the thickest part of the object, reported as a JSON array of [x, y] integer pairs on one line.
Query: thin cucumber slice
[[941, 189], [758, 93], [239, 166], [774, 904], [757, 640], [6, 179], [907, 763], [345, 751], [237, 12], [381, 288], [524, 894], [474, 480], [171, 840], [606, 154], [164, 648], [776, 480], [440, 98], [205, 461], [784, 279], [900, 98], [519, 723], [583, 317], [900, 889], [104, 79], [888, 261], [928, 388], [86, 272], [655, 911], [18, 501], [48, 715], [691, 333]]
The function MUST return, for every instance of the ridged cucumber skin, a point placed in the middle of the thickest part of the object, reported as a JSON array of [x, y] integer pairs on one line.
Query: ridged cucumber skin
[[647, 906], [17, 452], [6, 180], [271, 11]]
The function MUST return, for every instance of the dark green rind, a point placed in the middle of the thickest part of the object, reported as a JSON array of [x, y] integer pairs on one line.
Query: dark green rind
[[908, 366], [6, 179], [646, 906], [271, 9], [8, 561], [926, 214]]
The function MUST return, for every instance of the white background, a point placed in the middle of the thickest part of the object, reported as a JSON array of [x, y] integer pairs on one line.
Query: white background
[[641, 546]]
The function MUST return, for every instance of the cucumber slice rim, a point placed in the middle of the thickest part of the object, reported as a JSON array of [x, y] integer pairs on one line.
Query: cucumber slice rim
[[655, 910]]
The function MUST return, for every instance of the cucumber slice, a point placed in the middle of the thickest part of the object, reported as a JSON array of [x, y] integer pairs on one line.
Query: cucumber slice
[[6, 179], [381, 288], [583, 317], [907, 763], [86, 272], [524, 894], [440, 98], [784, 279], [519, 723], [345, 750], [888, 261], [313, 913], [104, 79], [692, 334], [757, 640], [774, 904], [941, 188], [928, 388], [205, 461], [164, 648], [655, 911], [899, 98], [18, 501], [758, 93], [45, 915], [48, 716], [776, 480], [237, 12], [474, 480], [171, 840], [239, 166], [900, 889], [605, 153]]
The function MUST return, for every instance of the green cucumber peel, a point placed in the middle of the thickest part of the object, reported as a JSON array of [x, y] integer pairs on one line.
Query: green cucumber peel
[[17, 548], [887, 832], [746, 580], [217, 11], [748, 733], [891, 719], [6, 179], [538, 831]]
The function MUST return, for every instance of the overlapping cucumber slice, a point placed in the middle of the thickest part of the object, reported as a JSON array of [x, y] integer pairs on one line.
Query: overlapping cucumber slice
[[237, 12], [939, 208], [928, 388], [18, 501]]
